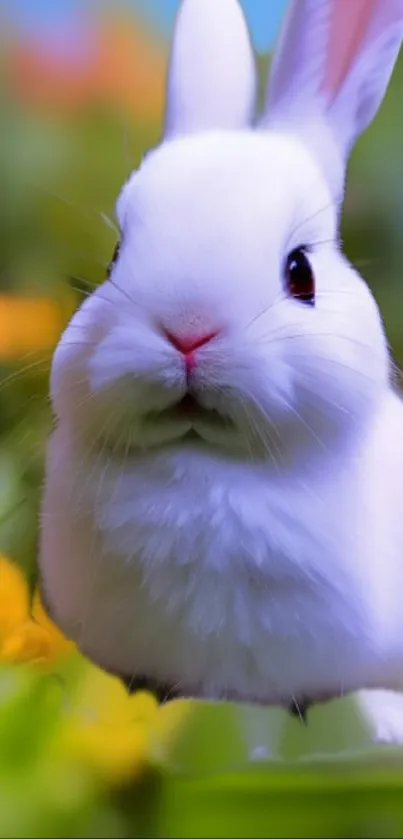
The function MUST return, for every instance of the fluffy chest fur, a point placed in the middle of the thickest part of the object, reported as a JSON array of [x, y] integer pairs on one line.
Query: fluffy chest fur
[[211, 577]]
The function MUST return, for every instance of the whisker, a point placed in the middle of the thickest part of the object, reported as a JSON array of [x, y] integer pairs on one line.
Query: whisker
[[335, 362], [88, 294], [109, 223], [306, 425], [299, 711], [122, 291], [282, 298], [82, 343], [172, 692], [126, 295], [104, 284], [332, 203], [313, 334], [17, 374], [125, 460], [85, 292], [259, 433], [78, 208], [319, 242]]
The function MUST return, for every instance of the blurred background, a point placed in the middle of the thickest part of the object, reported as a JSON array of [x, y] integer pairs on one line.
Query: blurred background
[[81, 99]]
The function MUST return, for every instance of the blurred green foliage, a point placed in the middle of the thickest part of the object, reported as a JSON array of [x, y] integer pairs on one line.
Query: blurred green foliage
[[323, 780], [59, 178], [57, 232]]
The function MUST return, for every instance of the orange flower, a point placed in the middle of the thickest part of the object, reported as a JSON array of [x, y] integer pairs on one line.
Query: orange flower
[[123, 66], [31, 323]]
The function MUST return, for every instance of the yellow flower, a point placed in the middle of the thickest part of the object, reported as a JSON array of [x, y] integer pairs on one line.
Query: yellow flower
[[117, 734], [27, 643], [59, 645], [25, 636], [14, 600], [102, 727]]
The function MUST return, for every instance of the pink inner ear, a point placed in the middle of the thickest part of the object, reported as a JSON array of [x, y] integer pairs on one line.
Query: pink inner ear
[[348, 25]]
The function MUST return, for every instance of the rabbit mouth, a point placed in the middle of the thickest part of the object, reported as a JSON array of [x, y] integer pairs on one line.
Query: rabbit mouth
[[185, 423], [191, 412]]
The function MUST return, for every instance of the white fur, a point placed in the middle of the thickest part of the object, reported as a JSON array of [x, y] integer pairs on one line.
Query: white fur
[[383, 713], [261, 561], [212, 75], [330, 72]]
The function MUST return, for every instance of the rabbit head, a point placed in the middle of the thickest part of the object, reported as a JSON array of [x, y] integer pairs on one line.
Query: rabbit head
[[230, 320]]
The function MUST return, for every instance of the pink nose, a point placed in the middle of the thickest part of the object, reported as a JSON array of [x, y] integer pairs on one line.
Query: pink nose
[[187, 344]]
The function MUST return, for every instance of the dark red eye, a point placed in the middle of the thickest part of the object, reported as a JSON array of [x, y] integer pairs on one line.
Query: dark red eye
[[114, 258], [299, 277]]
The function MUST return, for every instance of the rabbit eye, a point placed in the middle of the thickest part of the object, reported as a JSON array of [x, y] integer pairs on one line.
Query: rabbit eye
[[114, 258], [299, 276]]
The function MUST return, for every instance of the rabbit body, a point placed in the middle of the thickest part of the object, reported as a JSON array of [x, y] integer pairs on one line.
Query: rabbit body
[[227, 582], [264, 567], [226, 520]]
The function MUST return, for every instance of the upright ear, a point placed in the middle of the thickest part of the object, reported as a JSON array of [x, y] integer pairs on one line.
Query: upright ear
[[331, 70], [212, 76]]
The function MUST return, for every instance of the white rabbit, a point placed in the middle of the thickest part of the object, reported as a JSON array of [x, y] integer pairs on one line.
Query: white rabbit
[[222, 513]]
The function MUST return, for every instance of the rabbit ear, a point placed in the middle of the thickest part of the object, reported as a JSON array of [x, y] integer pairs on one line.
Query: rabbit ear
[[212, 77], [332, 67]]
